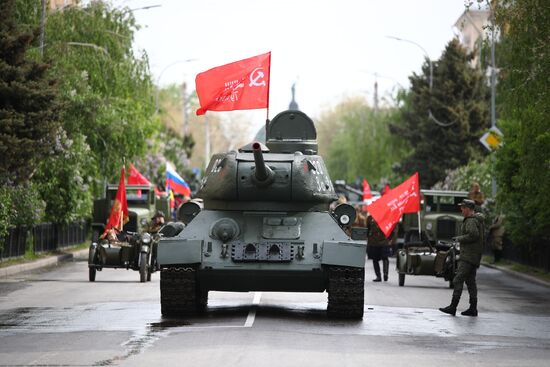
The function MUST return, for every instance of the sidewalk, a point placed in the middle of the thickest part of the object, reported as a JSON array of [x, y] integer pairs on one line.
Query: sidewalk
[[528, 277], [8, 271]]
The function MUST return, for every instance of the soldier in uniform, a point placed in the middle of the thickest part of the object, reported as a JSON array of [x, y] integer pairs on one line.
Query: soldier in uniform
[[471, 246], [377, 249], [156, 223]]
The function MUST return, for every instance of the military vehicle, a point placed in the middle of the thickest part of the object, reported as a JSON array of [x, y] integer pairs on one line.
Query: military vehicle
[[132, 253], [431, 251], [265, 225], [142, 205], [440, 216]]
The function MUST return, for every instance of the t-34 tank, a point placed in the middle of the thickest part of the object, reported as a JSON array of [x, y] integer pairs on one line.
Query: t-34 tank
[[265, 225]]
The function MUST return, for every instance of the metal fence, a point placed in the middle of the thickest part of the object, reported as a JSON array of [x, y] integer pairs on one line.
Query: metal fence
[[537, 256], [14, 243], [45, 237]]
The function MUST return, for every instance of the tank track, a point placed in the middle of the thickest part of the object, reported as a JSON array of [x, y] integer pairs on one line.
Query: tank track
[[346, 292], [179, 294]]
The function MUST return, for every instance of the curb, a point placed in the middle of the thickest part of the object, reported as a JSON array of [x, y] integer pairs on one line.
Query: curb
[[527, 277], [42, 263]]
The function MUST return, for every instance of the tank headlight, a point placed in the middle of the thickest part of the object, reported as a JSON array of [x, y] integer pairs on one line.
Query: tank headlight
[[143, 221], [429, 226], [344, 219], [146, 238]]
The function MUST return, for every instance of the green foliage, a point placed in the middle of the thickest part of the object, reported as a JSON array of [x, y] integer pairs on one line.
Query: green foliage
[[461, 178], [63, 183], [29, 107], [458, 101], [355, 142], [523, 163]]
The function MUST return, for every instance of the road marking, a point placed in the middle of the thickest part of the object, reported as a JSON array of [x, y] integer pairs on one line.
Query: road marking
[[252, 314]]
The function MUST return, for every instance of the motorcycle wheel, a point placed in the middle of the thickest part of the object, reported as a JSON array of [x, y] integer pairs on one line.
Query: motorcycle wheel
[[142, 267], [91, 274], [401, 279], [149, 272]]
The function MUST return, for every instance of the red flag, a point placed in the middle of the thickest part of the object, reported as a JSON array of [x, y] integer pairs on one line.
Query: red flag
[[387, 210], [136, 178], [119, 212], [240, 85], [367, 194]]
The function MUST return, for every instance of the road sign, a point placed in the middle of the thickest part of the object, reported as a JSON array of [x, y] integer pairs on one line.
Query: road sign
[[492, 139]]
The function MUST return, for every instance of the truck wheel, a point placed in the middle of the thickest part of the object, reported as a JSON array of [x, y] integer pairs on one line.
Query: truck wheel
[[346, 292], [91, 274], [143, 267], [178, 291], [401, 279]]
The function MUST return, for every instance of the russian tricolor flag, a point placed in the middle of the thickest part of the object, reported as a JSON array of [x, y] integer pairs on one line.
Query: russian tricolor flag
[[175, 183]]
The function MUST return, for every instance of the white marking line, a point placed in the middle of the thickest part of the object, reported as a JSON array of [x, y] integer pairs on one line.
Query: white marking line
[[252, 314]]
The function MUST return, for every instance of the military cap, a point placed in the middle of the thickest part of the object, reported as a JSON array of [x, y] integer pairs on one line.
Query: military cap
[[468, 203]]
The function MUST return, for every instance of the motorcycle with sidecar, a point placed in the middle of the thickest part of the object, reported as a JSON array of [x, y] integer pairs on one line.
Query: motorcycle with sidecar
[[135, 252], [423, 258]]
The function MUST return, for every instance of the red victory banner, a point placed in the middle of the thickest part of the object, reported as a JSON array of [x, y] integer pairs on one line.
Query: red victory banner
[[136, 178], [119, 211], [240, 85], [367, 194], [387, 210]]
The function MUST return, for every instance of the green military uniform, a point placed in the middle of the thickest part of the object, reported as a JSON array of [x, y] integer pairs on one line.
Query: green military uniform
[[377, 248], [471, 245]]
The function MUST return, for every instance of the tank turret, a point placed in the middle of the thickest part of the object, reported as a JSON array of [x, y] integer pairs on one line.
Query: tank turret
[[286, 173]]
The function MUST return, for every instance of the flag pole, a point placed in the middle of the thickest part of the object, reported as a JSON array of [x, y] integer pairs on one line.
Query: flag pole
[[268, 85], [419, 226]]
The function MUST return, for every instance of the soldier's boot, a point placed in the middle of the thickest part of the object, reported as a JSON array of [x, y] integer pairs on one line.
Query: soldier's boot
[[451, 309], [472, 311], [376, 266], [385, 268]]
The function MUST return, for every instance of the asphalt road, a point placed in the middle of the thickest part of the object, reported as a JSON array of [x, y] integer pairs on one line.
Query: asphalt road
[[55, 317]]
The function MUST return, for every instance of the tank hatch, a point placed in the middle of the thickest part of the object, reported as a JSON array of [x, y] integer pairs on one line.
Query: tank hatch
[[292, 131]]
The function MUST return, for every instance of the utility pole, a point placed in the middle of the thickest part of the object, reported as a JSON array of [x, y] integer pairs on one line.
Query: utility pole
[[493, 96]]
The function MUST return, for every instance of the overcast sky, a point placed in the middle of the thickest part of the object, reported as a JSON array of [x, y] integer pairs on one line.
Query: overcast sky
[[330, 49]]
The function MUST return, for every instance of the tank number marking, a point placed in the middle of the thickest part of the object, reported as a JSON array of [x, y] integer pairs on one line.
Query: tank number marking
[[216, 167]]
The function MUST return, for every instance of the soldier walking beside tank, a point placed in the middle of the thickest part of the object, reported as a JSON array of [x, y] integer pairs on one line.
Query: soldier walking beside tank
[[471, 246], [378, 248]]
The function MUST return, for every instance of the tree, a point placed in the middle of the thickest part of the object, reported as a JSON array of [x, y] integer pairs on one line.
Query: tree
[[29, 107], [523, 162], [458, 101], [355, 142]]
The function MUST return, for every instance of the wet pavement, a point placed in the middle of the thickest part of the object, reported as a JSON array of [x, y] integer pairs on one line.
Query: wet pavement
[[56, 317]]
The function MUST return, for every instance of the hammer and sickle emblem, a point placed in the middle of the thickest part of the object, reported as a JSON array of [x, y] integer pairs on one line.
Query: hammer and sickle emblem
[[256, 75]]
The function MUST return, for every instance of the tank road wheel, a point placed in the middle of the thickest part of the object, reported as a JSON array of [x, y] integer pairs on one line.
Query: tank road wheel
[[143, 267], [178, 291], [401, 279], [346, 292], [91, 274]]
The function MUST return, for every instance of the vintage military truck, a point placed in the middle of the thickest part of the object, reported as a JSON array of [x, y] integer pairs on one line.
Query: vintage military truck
[[431, 252], [142, 205], [265, 225]]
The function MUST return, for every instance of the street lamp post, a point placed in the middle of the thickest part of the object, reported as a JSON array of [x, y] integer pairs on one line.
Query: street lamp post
[[430, 114], [160, 76]]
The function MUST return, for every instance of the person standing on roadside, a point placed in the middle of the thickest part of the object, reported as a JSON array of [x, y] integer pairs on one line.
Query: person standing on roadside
[[496, 235], [378, 248], [471, 246]]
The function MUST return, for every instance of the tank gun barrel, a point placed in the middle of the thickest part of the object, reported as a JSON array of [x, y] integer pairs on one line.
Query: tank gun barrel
[[263, 174]]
